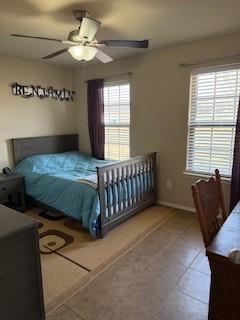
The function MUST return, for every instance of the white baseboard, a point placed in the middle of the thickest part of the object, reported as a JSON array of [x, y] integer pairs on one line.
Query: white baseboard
[[175, 205]]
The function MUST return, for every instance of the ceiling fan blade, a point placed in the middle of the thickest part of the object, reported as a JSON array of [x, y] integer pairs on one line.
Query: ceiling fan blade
[[88, 28], [33, 37], [54, 54], [125, 43], [103, 57]]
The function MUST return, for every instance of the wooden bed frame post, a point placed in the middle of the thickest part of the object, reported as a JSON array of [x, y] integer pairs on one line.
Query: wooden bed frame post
[[155, 177], [125, 188], [101, 190]]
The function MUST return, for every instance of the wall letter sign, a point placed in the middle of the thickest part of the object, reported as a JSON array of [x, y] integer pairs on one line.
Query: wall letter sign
[[42, 93]]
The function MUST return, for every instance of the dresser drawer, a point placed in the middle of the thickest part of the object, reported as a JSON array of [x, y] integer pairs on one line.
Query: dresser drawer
[[9, 187]]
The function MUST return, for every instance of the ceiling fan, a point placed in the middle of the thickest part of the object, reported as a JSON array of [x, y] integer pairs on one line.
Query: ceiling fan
[[84, 45]]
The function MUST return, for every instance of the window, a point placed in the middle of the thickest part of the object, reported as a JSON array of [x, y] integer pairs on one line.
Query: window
[[117, 120], [214, 97]]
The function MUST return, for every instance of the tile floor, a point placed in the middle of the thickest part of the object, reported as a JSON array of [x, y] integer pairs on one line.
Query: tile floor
[[165, 277]]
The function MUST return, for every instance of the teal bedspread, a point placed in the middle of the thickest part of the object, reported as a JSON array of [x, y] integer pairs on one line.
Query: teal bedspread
[[53, 179]]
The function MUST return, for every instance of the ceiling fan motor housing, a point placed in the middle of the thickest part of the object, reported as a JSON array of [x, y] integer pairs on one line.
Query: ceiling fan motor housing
[[79, 14], [84, 44], [74, 36]]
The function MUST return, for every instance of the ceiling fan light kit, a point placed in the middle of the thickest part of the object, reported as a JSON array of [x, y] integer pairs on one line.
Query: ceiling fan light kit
[[84, 43], [82, 53]]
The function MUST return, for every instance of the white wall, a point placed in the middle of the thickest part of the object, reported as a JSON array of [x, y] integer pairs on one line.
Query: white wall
[[159, 106], [21, 117]]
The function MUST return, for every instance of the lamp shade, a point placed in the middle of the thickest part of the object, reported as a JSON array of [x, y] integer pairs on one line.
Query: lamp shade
[[82, 53]]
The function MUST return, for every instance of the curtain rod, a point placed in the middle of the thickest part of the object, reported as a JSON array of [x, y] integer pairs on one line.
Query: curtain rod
[[115, 75], [191, 64]]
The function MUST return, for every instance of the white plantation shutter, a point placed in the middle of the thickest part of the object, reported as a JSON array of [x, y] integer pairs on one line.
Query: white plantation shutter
[[214, 98], [117, 120]]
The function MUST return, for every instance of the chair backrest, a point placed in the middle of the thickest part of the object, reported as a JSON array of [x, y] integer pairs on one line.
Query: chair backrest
[[209, 204]]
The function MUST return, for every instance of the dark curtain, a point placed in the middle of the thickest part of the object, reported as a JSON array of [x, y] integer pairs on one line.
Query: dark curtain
[[96, 117], [235, 182]]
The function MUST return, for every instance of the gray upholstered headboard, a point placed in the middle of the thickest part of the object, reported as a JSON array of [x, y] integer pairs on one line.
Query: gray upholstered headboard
[[25, 147]]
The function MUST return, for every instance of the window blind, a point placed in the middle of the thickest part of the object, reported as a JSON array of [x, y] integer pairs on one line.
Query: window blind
[[117, 120], [214, 97]]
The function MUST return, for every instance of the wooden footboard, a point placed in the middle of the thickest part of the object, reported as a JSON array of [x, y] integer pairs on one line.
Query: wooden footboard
[[125, 188]]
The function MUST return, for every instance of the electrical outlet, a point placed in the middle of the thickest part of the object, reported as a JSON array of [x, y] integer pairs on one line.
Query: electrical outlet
[[169, 184]]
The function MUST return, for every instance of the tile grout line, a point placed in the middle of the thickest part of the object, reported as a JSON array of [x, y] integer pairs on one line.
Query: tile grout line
[[132, 303], [80, 317], [206, 274], [94, 276], [169, 244], [192, 297], [171, 214], [187, 293], [145, 267], [190, 267]]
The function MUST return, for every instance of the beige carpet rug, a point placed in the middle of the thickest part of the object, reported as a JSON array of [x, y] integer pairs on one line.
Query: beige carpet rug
[[70, 257]]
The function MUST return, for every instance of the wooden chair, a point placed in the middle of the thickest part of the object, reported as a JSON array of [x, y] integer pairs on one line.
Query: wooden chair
[[210, 207]]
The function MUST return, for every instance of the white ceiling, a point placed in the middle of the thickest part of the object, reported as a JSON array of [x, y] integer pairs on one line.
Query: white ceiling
[[164, 22]]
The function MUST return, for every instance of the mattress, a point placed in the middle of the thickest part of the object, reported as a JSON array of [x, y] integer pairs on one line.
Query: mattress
[[59, 181]]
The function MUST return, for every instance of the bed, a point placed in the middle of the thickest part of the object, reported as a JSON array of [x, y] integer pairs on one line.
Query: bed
[[99, 193]]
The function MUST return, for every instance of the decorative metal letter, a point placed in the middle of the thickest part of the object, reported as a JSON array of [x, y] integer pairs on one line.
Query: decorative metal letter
[[41, 93]]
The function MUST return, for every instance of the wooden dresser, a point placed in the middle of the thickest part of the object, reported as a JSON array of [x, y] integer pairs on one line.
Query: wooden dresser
[[225, 275], [21, 295]]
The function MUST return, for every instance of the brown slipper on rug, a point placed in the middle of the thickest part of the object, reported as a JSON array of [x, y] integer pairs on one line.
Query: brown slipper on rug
[[51, 216]]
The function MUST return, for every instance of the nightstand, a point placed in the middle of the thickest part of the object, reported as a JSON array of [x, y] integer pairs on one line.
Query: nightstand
[[12, 185]]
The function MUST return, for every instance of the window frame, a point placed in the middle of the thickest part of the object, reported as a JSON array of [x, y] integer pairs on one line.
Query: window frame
[[118, 82], [188, 172]]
